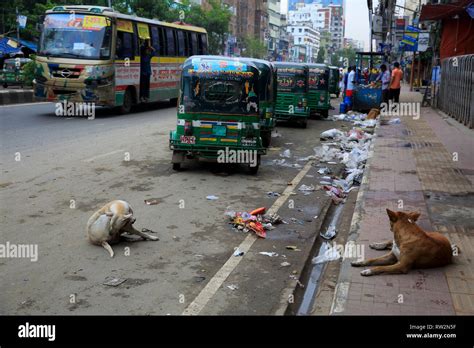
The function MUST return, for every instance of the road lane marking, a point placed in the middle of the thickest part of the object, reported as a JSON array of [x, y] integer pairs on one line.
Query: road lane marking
[[24, 104], [100, 156], [218, 279]]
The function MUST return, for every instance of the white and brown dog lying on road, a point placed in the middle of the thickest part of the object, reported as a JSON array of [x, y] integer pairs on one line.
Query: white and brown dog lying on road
[[109, 222], [411, 248]]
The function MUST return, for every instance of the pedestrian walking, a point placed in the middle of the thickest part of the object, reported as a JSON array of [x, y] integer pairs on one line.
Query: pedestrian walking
[[397, 76]]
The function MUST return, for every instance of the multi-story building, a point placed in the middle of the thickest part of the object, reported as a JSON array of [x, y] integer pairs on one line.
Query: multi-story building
[[358, 45], [336, 26], [304, 36], [284, 39], [274, 25]]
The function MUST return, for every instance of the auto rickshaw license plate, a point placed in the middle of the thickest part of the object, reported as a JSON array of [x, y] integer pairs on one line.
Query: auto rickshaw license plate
[[185, 139], [220, 131]]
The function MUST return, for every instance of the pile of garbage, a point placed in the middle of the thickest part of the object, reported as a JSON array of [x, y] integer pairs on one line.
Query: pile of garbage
[[350, 148], [255, 221]]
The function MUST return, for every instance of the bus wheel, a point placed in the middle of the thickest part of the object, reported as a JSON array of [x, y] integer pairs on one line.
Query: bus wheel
[[176, 166], [127, 102], [174, 101], [254, 170], [5, 85], [266, 138]]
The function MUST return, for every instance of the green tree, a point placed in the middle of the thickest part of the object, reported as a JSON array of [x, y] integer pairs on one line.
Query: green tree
[[347, 54], [321, 55], [254, 48]]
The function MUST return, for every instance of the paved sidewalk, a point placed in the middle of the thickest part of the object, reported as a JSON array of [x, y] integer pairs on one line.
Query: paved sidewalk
[[426, 165]]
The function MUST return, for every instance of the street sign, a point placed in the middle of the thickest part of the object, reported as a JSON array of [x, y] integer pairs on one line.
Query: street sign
[[22, 21]]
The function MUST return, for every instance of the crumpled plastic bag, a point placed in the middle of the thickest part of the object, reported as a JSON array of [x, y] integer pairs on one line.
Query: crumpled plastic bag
[[332, 134], [327, 253], [325, 153], [286, 153]]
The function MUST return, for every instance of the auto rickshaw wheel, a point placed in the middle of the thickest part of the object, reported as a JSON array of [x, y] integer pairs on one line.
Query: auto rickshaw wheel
[[266, 138], [254, 170], [177, 166], [5, 85], [325, 113], [304, 123]]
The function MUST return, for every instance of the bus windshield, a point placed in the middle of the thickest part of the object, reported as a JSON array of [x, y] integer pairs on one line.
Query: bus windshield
[[76, 36], [224, 94]]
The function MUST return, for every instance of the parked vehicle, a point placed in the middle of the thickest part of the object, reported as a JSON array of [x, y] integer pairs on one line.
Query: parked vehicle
[[12, 73], [267, 97], [93, 54], [334, 81], [319, 100], [292, 93], [218, 112]]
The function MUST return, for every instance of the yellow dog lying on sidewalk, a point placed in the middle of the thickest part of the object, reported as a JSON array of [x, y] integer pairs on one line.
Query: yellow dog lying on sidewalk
[[411, 248]]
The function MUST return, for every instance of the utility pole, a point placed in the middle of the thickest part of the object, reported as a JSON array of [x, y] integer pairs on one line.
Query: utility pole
[[17, 27]]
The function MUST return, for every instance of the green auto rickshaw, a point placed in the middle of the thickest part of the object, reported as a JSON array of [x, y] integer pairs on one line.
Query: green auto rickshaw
[[267, 97], [334, 81], [218, 112], [292, 93], [318, 89], [12, 73]]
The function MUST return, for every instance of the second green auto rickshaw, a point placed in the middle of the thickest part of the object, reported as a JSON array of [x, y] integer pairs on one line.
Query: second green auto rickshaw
[[319, 100], [292, 93]]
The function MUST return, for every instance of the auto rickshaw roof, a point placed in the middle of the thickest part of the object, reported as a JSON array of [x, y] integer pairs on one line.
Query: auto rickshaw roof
[[290, 65], [249, 64]]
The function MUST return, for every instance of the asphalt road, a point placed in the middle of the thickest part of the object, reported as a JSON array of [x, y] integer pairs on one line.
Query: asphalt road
[[70, 167]]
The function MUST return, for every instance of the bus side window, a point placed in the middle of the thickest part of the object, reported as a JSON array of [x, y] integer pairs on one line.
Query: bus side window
[[170, 42], [124, 45], [202, 44], [136, 51], [181, 44], [194, 46], [155, 40], [161, 32]]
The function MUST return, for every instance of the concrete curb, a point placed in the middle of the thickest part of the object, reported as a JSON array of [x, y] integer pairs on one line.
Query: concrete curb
[[342, 288], [16, 96]]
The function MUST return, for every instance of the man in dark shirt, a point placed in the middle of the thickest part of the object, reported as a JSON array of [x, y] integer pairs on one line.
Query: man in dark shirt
[[146, 53]]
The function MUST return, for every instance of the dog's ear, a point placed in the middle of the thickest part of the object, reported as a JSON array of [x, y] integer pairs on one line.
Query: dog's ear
[[414, 215], [392, 215]]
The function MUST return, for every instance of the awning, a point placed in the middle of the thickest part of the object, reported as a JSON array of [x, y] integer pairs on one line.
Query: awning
[[434, 12], [9, 46]]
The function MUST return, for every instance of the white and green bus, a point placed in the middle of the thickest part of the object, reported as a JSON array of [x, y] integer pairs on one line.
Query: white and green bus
[[91, 54]]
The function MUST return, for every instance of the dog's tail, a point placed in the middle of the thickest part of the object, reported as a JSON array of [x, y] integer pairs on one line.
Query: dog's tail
[[108, 248]]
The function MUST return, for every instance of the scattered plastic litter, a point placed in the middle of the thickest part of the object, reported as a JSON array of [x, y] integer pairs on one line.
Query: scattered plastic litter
[[152, 201], [271, 254], [212, 197], [324, 171], [254, 221], [273, 194], [199, 279], [306, 188], [114, 281], [286, 153], [292, 247], [238, 252], [330, 233], [285, 264], [327, 253], [276, 135], [331, 134], [233, 287], [394, 121]]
